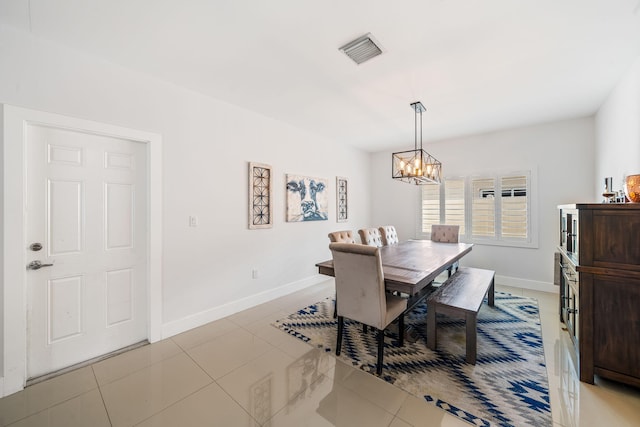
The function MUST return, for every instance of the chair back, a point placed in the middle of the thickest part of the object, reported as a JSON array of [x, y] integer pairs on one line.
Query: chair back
[[345, 236], [370, 237], [389, 235], [359, 283], [445, 233]]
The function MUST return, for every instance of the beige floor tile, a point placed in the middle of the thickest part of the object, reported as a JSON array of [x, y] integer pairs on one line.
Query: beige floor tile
[[417, 412], [370, 387], [266, 384], [547, 302], [397, 422], [81, 411], [124, 364], [228, 352], [325, 403], [551, 327], [266, 321], [294, 347], [142, 394], [271, 334], [253, 314], [204, 333], [43, 395], [210, 406]]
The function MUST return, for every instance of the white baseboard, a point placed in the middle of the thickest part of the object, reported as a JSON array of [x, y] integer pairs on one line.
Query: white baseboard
[[527, 284], [198, 319], [2, 387]]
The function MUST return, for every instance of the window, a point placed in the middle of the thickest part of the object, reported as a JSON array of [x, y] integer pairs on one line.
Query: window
[[514, 207], [454, 203], [452, 209], [483, 209], [430, 211], [488, 209]]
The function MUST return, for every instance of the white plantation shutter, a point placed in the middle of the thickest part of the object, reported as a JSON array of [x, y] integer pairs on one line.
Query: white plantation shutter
[[483, 209], [430, 210], [490, 210], [454, 204], [513, 206]]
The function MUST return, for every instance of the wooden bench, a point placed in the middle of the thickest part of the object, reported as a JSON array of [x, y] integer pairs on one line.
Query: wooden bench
[[462, 293]]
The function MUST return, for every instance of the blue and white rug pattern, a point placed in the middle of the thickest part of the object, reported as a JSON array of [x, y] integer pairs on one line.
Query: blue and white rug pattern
[[507, 386]]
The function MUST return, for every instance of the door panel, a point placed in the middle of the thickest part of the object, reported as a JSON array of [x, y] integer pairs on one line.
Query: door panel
[[64, 217], [87, 205], [119, 296], [64, 308]]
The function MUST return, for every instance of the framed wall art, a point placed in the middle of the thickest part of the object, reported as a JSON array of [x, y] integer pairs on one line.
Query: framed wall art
[[306, 199], [260, 196], [342, 200]]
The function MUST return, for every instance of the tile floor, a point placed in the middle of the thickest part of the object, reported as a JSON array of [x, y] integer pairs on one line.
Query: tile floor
[[241, 371]]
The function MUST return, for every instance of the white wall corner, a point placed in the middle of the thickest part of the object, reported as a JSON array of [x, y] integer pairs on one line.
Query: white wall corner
[[175, 327]]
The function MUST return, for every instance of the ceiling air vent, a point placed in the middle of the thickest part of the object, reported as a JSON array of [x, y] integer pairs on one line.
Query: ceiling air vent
[[362, 49]]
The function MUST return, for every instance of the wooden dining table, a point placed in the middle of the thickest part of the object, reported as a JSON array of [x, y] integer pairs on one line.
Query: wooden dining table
[[411, 266]]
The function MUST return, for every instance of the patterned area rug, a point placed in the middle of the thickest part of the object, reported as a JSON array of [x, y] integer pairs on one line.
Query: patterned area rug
[[507, 386]]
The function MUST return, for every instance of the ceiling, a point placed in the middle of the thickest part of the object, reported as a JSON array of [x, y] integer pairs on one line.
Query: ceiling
[[477, 66]]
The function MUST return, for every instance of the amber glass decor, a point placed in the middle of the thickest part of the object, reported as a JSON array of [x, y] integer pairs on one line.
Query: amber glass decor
[[632, 188]]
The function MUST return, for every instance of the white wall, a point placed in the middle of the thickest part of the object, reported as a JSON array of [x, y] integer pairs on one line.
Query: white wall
[[560, 152], [207, 271], [618, 132]]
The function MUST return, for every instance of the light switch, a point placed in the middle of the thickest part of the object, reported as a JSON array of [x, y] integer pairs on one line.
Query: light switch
[[193, 221]]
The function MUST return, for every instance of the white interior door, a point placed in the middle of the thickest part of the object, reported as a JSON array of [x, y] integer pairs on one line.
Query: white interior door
[[86, 205]]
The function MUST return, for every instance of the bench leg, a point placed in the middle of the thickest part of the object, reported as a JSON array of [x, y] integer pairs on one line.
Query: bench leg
[[492, 293], [470, 320], [432, 341]]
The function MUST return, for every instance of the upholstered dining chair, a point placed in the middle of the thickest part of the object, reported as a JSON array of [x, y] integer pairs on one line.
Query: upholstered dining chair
[[446, 234], [360, 288], [370, 237], [345, 236], [389, 235]]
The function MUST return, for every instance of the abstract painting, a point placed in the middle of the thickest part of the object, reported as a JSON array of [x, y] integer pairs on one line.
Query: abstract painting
[[260, 196], [306, 199], [342, 205]]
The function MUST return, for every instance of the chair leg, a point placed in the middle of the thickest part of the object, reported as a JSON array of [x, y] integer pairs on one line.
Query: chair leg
[[380, 351], [335, 307], [401, 330], [340, 330]]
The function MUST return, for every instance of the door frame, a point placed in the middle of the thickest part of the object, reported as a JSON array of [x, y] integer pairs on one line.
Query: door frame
[[13, 295]]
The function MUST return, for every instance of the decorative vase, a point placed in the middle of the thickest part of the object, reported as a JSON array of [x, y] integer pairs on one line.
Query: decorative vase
[[632, 188]]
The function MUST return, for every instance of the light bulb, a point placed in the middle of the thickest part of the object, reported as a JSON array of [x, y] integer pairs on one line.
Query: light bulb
[[417, 162], [401, 164]]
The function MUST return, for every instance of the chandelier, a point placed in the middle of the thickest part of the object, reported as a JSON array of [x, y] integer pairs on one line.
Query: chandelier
[[416, 166]]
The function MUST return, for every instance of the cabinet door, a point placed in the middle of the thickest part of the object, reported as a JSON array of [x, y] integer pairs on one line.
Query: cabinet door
[[616, 326]]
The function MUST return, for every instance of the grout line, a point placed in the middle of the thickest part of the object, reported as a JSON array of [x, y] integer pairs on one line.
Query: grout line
[[104, 404]]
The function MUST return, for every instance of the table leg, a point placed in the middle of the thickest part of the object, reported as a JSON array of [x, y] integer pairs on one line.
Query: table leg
[[470, 320], [432, 341], [492, 293]]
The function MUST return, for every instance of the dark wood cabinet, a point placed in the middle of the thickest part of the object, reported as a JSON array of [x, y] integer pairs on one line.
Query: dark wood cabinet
[[601, 304]]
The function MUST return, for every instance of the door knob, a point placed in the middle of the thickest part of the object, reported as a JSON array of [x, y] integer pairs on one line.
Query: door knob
[[37, 265]]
